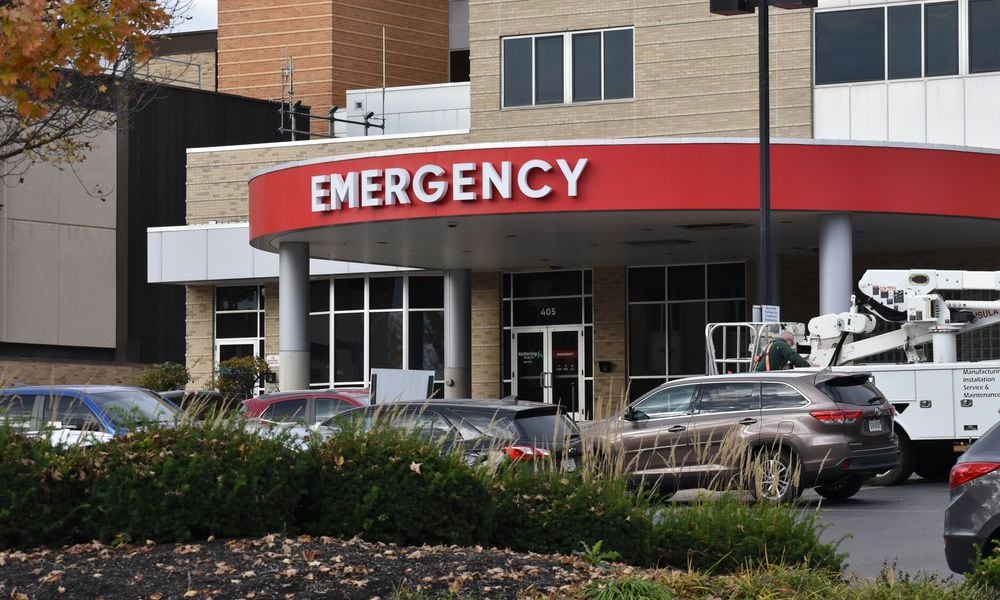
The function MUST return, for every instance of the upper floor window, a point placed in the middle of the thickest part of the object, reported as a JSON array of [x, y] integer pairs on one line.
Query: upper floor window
[[584, 66], [984, 36], [895, 42]]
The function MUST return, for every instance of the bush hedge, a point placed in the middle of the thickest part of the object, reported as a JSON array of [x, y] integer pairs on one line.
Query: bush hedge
[[218, 478], [391, 487]]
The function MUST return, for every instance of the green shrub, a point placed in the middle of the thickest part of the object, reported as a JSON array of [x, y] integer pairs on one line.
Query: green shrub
[[922, 586], [164, 376], [237, 377], [43, 492], [190, 482], [723, 534], [550, 511], [628, 588], [986, 573], [386, 485]]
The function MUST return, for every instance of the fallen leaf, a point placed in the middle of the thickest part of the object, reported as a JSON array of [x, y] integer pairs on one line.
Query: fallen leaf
[[247, 574], [415, 467], [190, 594]]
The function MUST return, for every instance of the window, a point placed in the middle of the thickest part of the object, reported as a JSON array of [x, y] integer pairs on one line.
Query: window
[[941, 39], [728, 397], [360, 323], [895, 42], [668, 402], [984, 36], [69, 412], [16, 410], [329, 407], [668, 308], [780, 395], [585, 66], [286, 411]]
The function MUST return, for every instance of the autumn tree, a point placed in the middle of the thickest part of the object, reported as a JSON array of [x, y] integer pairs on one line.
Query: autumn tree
[[66, 72]]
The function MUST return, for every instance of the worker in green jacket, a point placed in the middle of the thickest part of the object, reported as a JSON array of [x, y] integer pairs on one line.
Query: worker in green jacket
[[779, 353]]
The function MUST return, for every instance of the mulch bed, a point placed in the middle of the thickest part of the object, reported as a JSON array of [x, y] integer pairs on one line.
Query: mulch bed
[[278, 567]]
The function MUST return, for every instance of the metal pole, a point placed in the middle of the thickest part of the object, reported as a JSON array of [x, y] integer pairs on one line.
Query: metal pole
[[763, 67]]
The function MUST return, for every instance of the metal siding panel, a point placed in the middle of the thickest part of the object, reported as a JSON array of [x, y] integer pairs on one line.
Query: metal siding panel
[[945, 111], [228, 253], [907, 112], [869, 112], [982, 102], [184, 255], [832, 113]]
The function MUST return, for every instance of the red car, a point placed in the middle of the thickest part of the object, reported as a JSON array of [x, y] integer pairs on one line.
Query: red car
[[306, 407]]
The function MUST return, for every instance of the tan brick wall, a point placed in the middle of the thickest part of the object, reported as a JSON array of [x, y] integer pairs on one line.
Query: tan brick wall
[[695, 73], [200, 343], [486, 335], [271, 319], [334, 45], [66, 372], [609, 339], [217, 181], [195, 70]]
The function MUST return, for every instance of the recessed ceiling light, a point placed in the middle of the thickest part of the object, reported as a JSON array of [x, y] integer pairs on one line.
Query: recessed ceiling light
[[451, 225], [713, 226], [510, 235], [381, 243]]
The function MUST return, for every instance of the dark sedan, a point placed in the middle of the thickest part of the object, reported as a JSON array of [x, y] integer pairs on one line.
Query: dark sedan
[[972, 519], [486, 431]]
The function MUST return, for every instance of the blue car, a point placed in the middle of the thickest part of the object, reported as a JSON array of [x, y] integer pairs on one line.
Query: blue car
[[68, 414]]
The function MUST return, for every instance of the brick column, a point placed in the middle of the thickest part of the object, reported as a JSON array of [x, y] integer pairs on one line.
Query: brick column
[[486, 335], [609, 340], [199, 352]]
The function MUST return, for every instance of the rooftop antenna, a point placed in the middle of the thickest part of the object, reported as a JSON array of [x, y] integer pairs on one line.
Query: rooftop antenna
[[383, 79], [288, 80]]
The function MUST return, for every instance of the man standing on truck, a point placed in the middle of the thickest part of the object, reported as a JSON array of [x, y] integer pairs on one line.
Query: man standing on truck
[[779, 353]]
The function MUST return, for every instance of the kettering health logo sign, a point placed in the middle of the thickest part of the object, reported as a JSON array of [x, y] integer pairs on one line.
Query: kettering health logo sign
[[431, 183]]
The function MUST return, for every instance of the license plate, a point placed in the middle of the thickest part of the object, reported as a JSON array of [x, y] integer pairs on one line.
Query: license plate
[[875, 425], [569, 464]]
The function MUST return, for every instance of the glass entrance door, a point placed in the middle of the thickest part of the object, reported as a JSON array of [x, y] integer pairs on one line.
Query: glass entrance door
[[548, 366]]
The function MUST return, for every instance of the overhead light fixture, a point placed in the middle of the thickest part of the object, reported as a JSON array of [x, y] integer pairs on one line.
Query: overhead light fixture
[[713, 226], [656, 243]]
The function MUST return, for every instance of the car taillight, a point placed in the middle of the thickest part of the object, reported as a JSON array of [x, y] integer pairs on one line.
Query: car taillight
[[837, 416], [966, 472], [518, 453]]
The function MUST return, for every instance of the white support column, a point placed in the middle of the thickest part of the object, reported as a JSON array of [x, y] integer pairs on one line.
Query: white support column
[[457, 333], [836, 263], [293, 315]]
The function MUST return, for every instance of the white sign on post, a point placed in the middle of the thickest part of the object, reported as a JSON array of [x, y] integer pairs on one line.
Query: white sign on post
[[767, 313]]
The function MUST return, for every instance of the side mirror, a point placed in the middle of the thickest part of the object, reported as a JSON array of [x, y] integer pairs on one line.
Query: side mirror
[[629, 414]]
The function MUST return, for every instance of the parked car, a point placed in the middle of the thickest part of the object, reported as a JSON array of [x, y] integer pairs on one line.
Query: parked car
[[67, 414], [485, 431], [201, 404], [778, 432], [972, 518], [305, 407]]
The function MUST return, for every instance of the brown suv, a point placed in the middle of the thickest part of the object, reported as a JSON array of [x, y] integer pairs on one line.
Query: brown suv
[[778, 432]]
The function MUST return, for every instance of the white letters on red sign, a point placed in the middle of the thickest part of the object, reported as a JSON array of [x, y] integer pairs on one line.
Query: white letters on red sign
[[430, 183]]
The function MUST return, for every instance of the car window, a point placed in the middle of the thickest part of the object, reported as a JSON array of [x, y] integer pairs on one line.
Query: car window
[[286, 411], [669, 401], [69, 412], [127, 407], [780, 395], [546, 427], [329, 407], [425, 425], [487, 424], [728, 397], [852, 389], [16, 410]]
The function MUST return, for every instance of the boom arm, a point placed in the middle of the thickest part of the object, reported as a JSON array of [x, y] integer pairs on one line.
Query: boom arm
[[908, 296]]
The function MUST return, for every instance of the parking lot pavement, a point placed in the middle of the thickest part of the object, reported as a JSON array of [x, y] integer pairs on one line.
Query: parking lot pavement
[[900, 525], [897, 525]]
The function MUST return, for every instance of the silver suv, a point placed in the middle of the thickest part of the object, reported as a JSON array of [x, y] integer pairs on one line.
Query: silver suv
[[776, 432]]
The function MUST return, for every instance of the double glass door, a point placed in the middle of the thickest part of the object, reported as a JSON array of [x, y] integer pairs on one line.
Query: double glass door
[[548, 366]]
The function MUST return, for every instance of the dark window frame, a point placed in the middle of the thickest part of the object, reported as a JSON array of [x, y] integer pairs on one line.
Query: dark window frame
[[568, 70]]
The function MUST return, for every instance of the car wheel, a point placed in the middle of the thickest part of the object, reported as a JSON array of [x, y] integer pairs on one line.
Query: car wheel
[[902, 471], [776, 476], [934, 466], [841, 490]]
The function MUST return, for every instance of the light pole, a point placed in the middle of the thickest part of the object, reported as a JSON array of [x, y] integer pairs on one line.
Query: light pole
[[741, 7]]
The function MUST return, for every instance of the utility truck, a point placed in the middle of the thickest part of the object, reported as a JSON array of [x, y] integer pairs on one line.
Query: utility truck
[[941, 404]]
